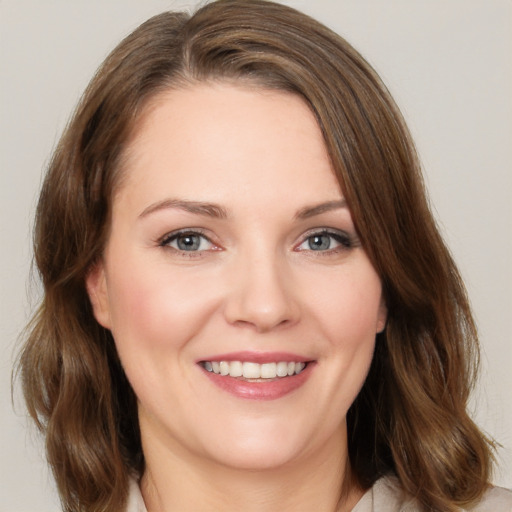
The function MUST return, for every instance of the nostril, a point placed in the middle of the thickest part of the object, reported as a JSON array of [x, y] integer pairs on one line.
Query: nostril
[[260, 296], [262, 325]]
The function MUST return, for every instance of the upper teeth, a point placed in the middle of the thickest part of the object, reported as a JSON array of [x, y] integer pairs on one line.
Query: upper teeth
[[254, 370]]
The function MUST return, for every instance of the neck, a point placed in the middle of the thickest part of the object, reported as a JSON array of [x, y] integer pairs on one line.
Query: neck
[[176, 481]]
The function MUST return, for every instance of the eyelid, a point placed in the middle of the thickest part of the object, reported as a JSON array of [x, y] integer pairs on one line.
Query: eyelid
[[169, 237], [343, 238]]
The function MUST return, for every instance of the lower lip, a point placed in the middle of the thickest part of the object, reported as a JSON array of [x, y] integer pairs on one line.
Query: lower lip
[[263, 390]]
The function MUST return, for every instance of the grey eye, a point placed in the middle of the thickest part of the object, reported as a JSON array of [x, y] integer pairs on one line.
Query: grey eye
[[321, 242], [324, 241], [188, 242]]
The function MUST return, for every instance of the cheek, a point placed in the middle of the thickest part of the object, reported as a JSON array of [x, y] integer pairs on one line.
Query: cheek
[[152, 306], [347, 307], [348, 316]]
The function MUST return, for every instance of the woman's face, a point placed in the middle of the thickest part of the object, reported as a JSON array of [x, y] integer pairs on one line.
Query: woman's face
[[232, 251]]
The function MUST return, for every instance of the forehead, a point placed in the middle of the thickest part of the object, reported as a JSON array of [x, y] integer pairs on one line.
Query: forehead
[[213, 138]]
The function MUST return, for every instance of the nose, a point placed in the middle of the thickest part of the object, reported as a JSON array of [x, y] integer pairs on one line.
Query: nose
[[262, 294]]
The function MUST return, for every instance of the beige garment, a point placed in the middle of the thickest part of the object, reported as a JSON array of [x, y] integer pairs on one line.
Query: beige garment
[[135, 501], [384, 496]]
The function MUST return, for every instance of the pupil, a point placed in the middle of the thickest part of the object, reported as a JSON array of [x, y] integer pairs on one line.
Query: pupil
[[319, 242], [188, 243]]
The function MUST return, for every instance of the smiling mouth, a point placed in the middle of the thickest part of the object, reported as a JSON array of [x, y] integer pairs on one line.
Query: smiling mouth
[[254, 371]]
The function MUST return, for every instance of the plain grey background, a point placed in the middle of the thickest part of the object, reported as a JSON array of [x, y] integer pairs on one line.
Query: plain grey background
[[448, 65]]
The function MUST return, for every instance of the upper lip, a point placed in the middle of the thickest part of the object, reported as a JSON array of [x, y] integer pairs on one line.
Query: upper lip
[[258, 357]]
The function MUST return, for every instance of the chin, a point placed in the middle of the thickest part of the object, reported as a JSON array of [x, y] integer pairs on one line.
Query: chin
[[260, 449], [266, 458]]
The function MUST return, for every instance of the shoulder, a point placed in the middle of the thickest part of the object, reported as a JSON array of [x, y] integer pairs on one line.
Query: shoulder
[[496, 499], [386, 495]]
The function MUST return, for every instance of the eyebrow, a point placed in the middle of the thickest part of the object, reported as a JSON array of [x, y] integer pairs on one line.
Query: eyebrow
[[195, 207], [311, 211], [218, 212]]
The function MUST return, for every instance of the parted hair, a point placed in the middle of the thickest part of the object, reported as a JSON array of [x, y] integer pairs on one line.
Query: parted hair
[[410, 418]]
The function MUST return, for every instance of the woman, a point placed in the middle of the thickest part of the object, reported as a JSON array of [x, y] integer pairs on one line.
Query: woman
[[247, 303]]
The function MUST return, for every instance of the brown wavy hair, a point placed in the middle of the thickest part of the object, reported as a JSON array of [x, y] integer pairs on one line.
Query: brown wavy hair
[[410, 418]]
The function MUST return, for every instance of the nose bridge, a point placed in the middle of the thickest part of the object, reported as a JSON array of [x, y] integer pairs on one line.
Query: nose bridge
[[261, 293]]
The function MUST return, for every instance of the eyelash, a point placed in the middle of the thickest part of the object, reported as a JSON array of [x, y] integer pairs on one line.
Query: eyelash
[[166, 240], [342, 238]]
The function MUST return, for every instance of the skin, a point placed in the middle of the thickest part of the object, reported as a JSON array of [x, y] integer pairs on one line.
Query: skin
[[255, 283]]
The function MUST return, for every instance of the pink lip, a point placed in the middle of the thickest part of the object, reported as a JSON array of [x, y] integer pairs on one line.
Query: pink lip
[[257, 357], [263, 390]]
